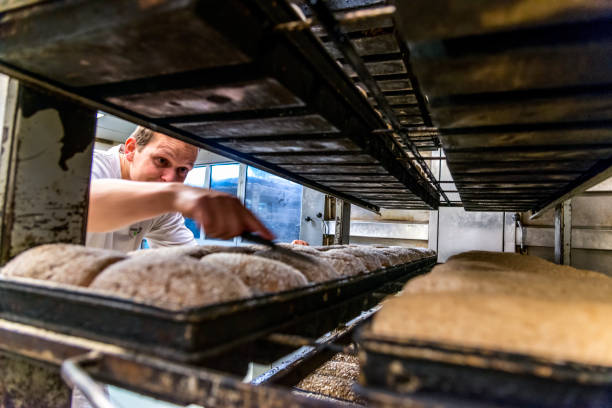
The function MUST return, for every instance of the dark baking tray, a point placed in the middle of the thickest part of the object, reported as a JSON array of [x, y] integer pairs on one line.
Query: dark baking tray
[[192, 334], [439, 373]]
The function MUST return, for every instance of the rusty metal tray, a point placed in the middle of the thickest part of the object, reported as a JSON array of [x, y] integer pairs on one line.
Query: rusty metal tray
[[191, 335], [441, 373]]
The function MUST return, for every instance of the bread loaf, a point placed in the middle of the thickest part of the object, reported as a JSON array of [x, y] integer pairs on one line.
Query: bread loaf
[[508, 302], [170, 282], [260, 274], [314, 269], [62, 263]]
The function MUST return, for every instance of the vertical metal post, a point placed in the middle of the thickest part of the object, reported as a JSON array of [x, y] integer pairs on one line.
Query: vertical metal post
[[45, 168], [432, 242], [343, 222], [311, 220], [558, 221], [241, 193], [563, 233], [567, 232]]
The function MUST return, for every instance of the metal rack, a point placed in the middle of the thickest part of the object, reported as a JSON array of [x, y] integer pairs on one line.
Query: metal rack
[[520, 96], [232, 77], [153, 371]]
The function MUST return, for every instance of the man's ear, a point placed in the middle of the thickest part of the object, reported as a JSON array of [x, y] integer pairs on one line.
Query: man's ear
[[129, 148]]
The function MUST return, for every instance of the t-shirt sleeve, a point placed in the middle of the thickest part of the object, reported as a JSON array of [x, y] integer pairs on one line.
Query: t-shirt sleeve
[[169, 230], [101, 166]]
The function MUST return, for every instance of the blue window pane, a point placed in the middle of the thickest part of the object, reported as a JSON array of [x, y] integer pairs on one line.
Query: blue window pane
[[276, 201], [196, 177], [224, 177], [193, 227]]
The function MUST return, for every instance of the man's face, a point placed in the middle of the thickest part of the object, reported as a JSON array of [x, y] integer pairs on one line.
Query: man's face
[[162, 159]]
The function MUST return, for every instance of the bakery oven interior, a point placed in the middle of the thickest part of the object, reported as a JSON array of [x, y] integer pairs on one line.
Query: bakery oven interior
[[492, 116]]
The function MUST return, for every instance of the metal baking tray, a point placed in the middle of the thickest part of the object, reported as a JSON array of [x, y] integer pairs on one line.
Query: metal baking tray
[[193, 334], [440, 373]]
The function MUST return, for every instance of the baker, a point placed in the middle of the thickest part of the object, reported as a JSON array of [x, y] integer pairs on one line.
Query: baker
[[137, 192]]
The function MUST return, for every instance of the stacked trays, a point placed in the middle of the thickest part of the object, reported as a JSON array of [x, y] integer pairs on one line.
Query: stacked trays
[[520, 91], [231, 77]]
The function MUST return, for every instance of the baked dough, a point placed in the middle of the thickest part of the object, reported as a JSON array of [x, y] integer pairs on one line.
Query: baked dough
[[170, 282], [508, 302], [370, 258], [344, 263], [559, 330], [62, 263], [193, 251], [196, 251], [260, 274], [315, 270]]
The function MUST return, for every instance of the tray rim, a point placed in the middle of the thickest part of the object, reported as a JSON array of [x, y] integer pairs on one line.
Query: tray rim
[[482, 358]]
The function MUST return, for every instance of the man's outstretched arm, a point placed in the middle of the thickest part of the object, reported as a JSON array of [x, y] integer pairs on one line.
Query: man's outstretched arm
[[116, 203]]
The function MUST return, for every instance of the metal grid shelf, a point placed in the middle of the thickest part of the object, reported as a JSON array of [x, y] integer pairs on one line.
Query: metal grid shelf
[[520, 95], [232, 77]]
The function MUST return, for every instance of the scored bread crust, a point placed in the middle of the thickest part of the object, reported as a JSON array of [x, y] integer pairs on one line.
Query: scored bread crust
[[170, 282], [260, 274], [62, 263], [315, 270], [371, 259], [344, 263]]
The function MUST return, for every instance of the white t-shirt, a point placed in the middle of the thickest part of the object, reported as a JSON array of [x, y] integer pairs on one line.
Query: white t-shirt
[[164, 230]]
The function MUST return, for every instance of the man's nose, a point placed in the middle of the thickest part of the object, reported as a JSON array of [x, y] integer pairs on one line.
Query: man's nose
[[169, 176]]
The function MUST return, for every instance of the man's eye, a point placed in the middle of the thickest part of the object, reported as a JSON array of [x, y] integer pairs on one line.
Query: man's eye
[[161, 161], [183, 170]]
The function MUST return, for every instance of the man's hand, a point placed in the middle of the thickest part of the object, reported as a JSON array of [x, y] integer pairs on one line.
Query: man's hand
[[222, 215], [114, 204]]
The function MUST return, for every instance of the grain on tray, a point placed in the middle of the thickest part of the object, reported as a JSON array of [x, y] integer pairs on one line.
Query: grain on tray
[[332, 386], [345, 358], [62, 263]]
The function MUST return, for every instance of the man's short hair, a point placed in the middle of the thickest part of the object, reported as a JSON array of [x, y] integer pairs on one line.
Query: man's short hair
[[143, 136]]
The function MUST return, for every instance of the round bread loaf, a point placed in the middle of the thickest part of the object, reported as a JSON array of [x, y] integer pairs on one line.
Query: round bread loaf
[[329, 247], [170, 282], [315, 269], [301, 248], [193, 251], [370, 258], [62, 263], [344, 263], [260, 274], [393, 257]]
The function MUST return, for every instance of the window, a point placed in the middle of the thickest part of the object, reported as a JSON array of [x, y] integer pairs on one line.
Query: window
[[276, 201], [197, 178], [224, 177]]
